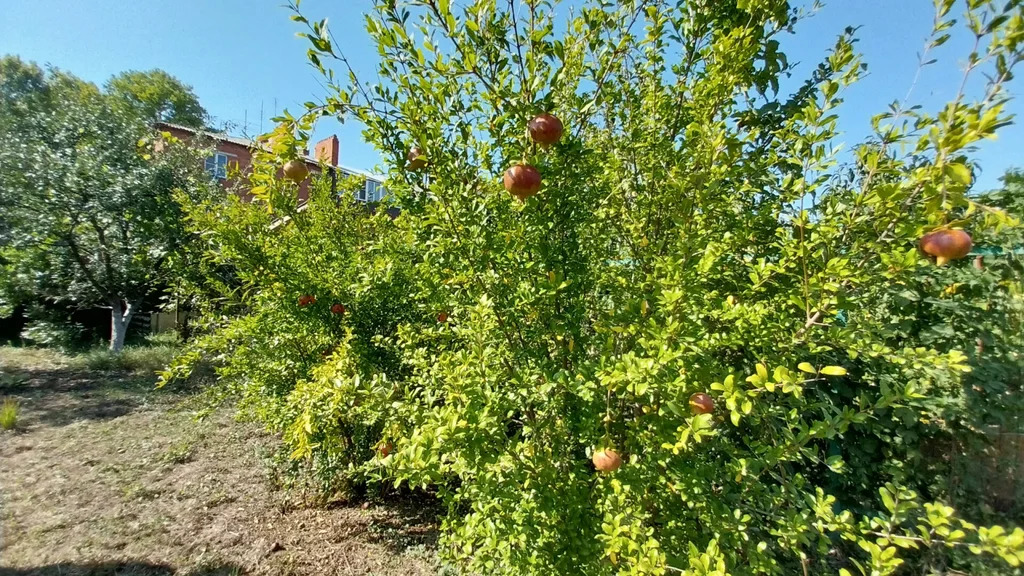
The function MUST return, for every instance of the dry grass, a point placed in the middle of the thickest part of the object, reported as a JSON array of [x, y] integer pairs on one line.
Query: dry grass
[[108, 476]]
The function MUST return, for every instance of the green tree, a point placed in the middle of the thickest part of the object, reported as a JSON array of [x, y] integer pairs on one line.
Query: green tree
[[158, 96], [89, 194], [694, 233]]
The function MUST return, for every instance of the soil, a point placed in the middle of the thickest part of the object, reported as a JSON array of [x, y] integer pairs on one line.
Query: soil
[[105, 475]]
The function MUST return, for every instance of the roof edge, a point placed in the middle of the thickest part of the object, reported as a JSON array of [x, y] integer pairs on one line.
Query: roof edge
[[225, 137]]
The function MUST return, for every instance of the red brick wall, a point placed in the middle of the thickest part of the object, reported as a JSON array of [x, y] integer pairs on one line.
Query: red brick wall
[[240, 159], [327, 151]]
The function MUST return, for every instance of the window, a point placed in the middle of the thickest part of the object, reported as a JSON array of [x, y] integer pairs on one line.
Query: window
[[374, 191], [361, 194], [217, 165]]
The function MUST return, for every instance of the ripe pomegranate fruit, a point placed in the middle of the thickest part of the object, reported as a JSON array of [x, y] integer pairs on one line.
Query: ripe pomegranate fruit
[[946, 245], [522, 181], [607, 460], [701, 403], [386, 449], [306, 300], [295, 170], [417, 161], [338, 309], [545, 129], [442, 317]]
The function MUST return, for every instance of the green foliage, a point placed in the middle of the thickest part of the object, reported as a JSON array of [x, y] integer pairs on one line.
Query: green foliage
[[51, 328], [146, 359], [694, 233], [9, 414], [155, 95], [89, 194], [332, 249]]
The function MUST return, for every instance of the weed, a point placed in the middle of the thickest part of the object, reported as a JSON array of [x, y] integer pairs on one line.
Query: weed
[[9, 414], [138, 491], [138, 359], [179, 452]]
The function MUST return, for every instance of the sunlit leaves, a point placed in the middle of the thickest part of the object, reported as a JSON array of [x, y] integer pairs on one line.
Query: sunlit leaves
[[695, 234]]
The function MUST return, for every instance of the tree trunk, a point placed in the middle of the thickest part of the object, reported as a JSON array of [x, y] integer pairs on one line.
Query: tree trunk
[[120, 317]]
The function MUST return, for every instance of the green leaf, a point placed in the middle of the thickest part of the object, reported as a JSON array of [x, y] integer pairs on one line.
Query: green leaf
[[834, 371], [834, 463], [959, 173], [762, 372], [806, 367], [887, 500]]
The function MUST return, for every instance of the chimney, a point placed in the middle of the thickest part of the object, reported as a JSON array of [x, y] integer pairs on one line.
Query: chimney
[[327, 151]]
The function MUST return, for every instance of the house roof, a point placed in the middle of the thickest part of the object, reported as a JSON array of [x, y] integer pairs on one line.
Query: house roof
[[225, 137]]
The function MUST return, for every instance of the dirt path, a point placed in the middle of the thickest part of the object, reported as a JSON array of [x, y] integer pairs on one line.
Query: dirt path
[[107, 476]]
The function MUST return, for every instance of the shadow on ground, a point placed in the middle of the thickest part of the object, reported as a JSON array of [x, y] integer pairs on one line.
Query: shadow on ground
[[130, 568], [411, 523], [58, 396]]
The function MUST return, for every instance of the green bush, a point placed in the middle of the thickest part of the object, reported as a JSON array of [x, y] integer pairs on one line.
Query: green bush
[[695, 232]]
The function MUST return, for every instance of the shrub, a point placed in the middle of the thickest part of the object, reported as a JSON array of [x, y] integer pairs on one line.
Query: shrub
[[694, 233], [52, 331], [9, 414]]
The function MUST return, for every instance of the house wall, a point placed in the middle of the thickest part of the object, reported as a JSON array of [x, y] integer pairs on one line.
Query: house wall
[[240, 159]]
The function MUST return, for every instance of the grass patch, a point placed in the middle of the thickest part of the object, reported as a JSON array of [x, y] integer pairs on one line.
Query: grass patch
[[138, 359], [21, 358], [9, 414], [148, 357]]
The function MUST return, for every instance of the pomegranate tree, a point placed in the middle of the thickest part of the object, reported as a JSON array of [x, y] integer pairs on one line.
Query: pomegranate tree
[[712, 291]]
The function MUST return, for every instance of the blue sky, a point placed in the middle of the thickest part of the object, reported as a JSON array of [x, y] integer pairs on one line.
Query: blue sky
[[242, 56]]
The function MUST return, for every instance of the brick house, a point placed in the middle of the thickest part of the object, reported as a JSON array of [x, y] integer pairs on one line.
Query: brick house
[[234, 151]]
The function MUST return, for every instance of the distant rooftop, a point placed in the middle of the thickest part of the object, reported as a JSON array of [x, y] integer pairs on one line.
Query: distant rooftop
[[225, 137]]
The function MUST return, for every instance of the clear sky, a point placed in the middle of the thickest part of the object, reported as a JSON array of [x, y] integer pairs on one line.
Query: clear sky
[[242, 56]]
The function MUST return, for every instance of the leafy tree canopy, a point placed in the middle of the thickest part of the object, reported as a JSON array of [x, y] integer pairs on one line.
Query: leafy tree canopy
[[157, 95], [89, 194]]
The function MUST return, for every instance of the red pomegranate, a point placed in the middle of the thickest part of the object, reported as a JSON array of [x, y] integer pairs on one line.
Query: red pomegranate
[[417, 161], [338, 309], [522, 181], [545, 129], [607, 460], [306, 300], [442, 317], [701, 403], [946, 244], [386, 449]]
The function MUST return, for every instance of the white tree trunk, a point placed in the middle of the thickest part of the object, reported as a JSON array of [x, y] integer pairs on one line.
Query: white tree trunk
[[120, 317]]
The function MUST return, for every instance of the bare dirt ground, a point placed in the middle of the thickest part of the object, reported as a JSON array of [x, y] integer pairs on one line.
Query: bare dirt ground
[[107, 476]]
